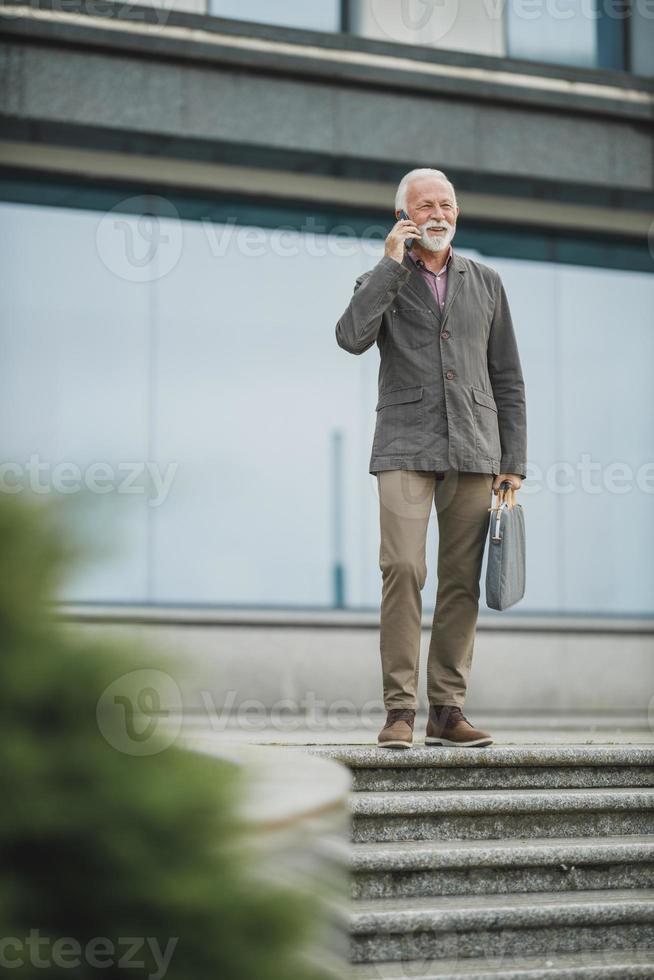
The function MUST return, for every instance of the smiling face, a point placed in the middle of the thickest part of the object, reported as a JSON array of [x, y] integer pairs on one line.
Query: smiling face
[[430, 203]]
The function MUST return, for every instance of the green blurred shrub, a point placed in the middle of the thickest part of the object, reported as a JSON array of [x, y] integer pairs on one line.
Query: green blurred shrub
[[97, 843]]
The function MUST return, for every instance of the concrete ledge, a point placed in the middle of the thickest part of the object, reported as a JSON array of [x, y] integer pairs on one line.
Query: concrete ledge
[[622, 964], [300, 667], [283, 786], [479, 911], [338, 618], [416, 855], [294, 808], [502, 801], [482, 926], [356, 757]]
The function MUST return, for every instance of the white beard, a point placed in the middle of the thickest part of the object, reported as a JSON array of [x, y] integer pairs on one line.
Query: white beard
[[435, 242]]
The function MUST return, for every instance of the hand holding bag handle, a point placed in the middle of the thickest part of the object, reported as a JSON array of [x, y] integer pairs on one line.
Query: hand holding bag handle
[[506, 493], [505, 572], [505, 501]]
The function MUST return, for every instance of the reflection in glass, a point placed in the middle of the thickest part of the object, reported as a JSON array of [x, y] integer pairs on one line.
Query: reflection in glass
[[322, 16], [219, 376]]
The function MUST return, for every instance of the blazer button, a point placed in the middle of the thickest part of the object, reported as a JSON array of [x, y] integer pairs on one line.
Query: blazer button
[[449, 375], [445, 334]]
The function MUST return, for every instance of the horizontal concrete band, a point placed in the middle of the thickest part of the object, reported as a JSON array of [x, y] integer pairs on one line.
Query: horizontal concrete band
[[520, 801], [216, 178], [355, 60], [361, 757], [227, 670], [620, 964], [472, 912], [421, 855], [333, 619]]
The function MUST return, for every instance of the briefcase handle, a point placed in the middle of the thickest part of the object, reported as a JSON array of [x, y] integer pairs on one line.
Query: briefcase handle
[[505, 501], [507, 493], [505, 496]]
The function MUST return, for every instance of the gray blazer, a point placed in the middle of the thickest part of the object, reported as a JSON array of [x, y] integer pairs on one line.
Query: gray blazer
[[450, 386]]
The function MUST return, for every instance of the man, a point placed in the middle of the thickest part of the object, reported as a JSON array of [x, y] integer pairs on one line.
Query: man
[[451, 427]]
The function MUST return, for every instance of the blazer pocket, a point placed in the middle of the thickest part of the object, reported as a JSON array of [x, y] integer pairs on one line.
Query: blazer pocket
[[399, 428], [399, 396], [483, 399]]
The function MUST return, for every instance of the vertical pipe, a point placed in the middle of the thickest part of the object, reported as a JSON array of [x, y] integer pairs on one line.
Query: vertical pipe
[[338, 564]]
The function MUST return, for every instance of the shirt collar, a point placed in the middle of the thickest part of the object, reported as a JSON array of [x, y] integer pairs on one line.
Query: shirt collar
[[422, 265]]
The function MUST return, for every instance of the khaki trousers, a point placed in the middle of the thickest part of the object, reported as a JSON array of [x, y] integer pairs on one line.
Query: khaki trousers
[[462, 508]]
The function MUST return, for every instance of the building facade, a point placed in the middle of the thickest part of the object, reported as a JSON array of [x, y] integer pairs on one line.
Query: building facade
[[186, 201]]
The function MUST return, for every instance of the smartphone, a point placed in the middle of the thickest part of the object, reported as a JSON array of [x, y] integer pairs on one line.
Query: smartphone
[[408, 244]]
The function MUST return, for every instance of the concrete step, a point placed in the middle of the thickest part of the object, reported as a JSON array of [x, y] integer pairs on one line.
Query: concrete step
[[636, 964], [494, 767], [496, 814], [480, 926], [475, 867]]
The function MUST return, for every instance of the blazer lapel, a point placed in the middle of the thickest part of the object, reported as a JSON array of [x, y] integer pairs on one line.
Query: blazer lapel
[[455, 277]]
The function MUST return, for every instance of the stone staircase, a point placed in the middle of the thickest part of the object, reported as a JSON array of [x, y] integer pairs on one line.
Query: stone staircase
[[517, 862]]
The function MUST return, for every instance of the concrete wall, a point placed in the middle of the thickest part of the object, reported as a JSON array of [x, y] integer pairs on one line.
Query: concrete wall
[[185, 76], [291, 668]]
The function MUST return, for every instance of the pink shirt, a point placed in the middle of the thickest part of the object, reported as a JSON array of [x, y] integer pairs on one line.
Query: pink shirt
[[437, 281]]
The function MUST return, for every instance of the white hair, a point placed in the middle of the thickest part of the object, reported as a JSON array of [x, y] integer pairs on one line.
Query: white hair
[[403, 186]]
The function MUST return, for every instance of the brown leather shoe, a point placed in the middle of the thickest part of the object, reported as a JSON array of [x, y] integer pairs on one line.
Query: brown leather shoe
[[397, 733], [447, 725]]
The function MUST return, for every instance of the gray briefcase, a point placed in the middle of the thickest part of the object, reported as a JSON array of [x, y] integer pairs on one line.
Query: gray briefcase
[[505, 571]]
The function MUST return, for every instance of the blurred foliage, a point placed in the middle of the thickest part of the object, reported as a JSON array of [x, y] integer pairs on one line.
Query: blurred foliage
[[99, 843]]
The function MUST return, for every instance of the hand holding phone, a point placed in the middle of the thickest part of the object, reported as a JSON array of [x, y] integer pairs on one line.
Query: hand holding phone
[[401, 237], [408, 242]]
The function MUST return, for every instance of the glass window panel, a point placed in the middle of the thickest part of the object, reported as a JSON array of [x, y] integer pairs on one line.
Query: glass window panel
[[222, 374], [642, 39], [474, 25], [562, 32], [322, 16], [74, 398]]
